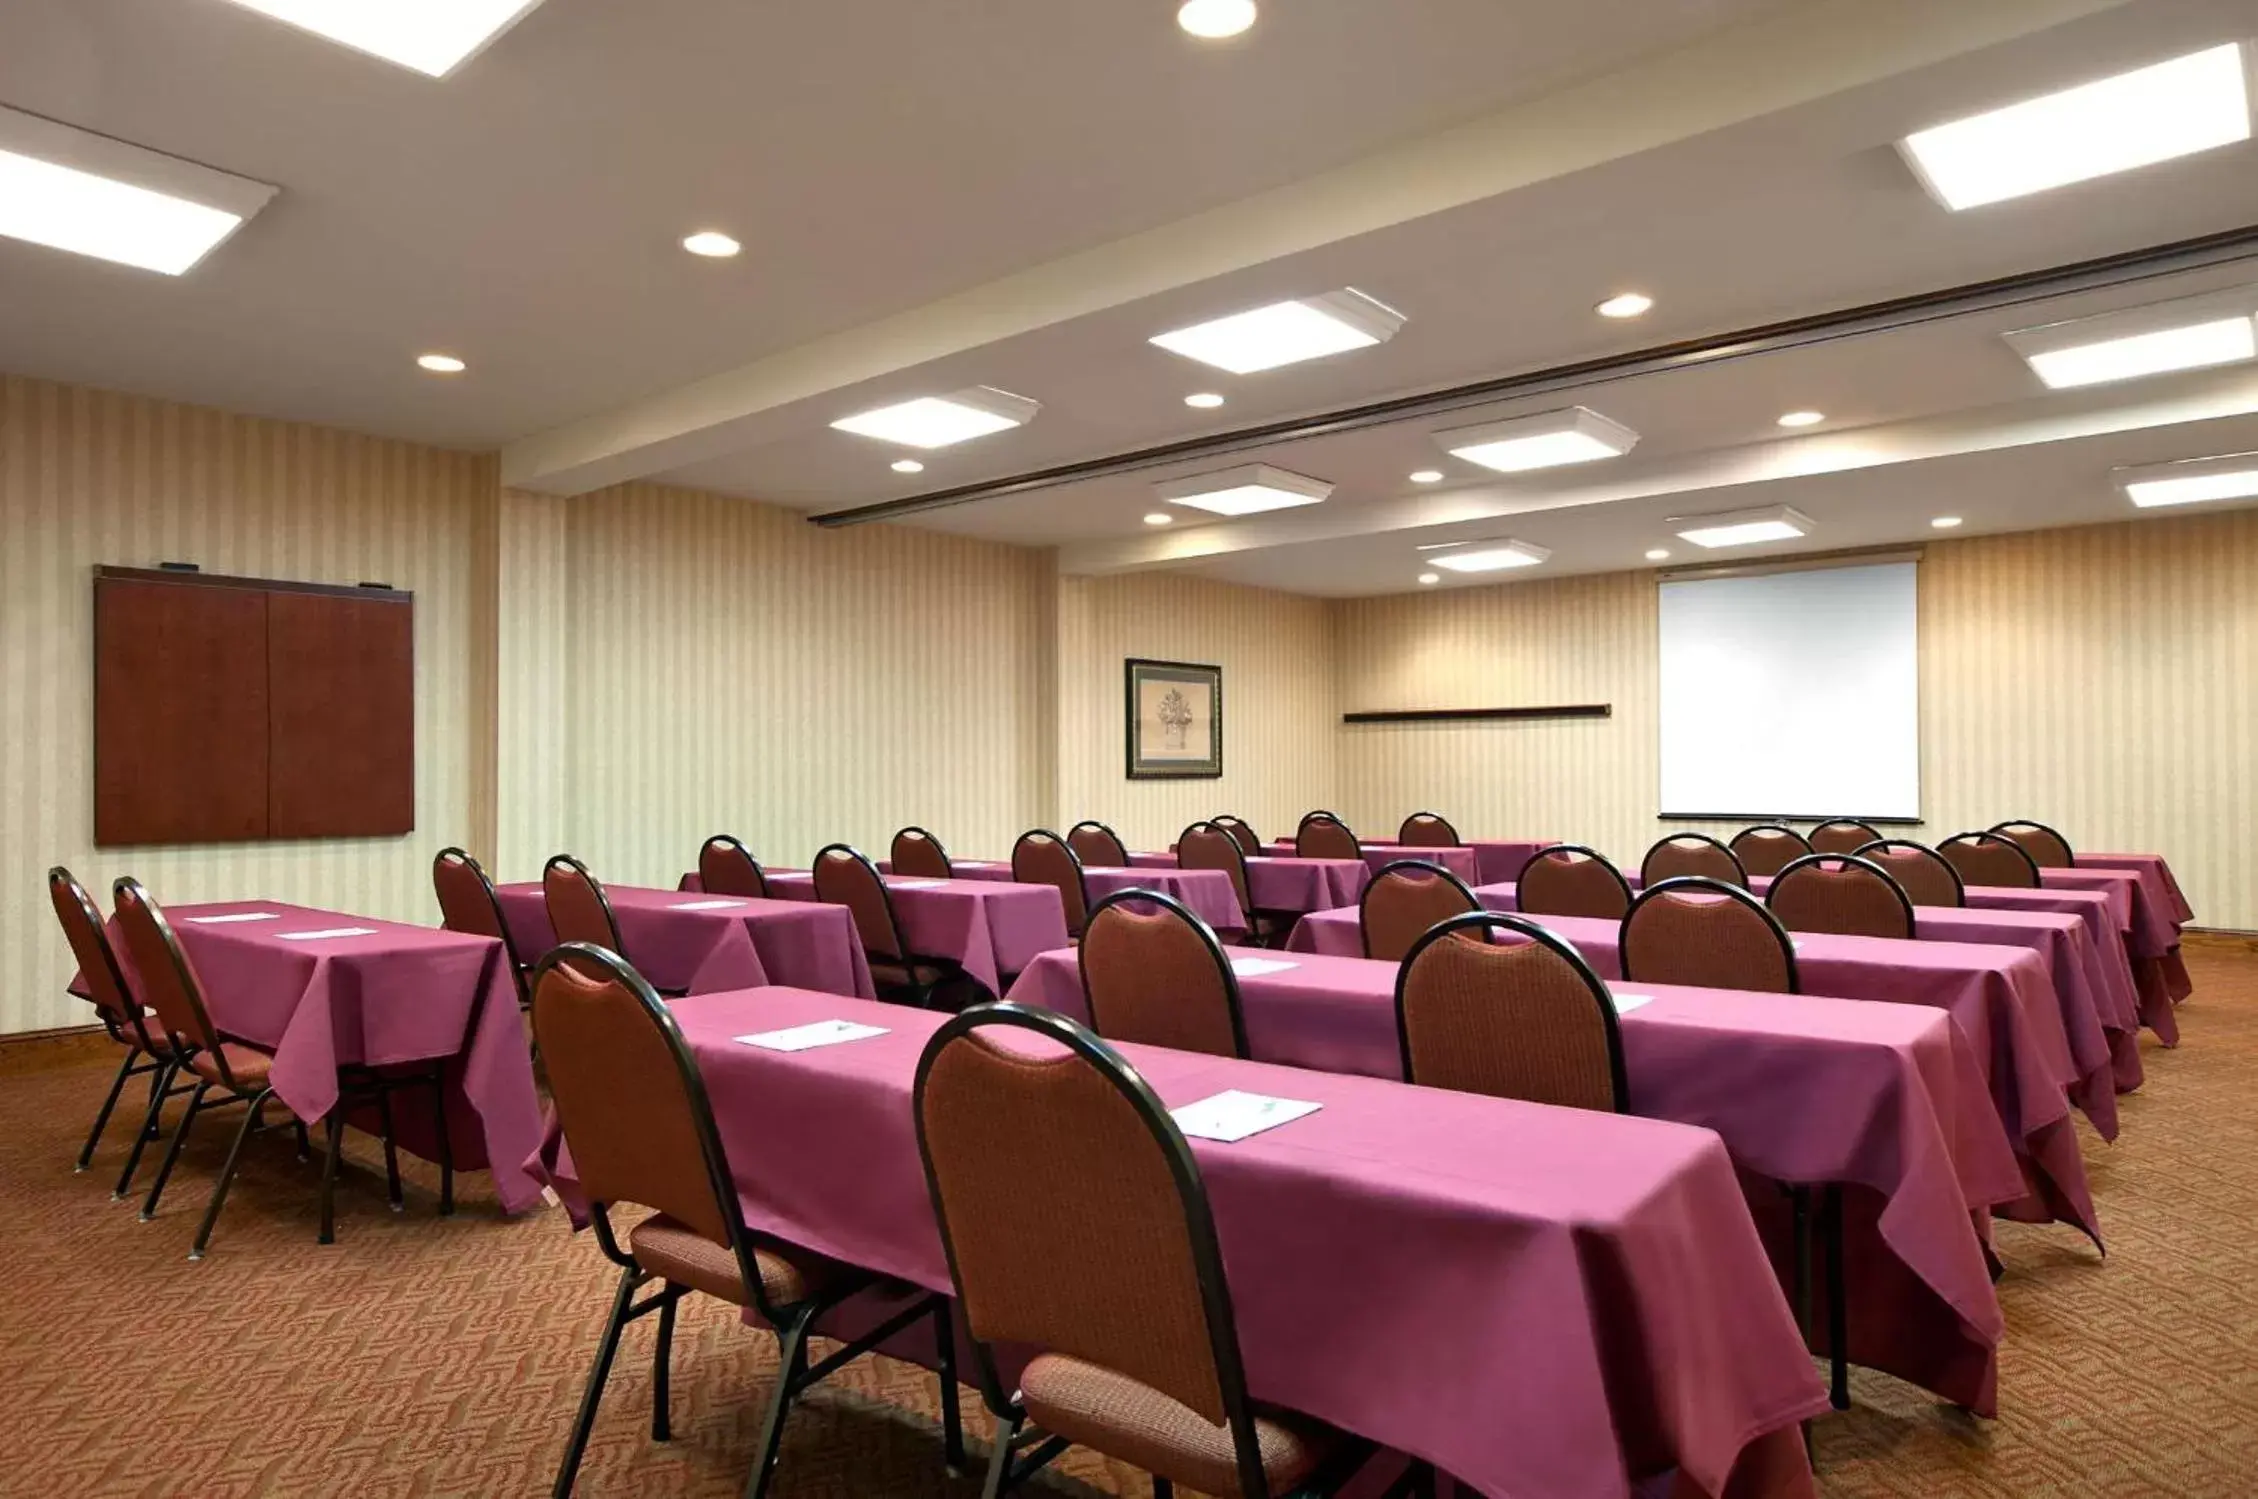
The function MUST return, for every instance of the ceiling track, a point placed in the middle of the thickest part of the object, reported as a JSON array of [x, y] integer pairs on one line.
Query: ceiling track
[[2126, 269]]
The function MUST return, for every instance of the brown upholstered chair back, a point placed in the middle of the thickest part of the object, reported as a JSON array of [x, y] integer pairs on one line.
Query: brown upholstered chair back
[[1493, 1004], [1694, 855], [466, 896], [1706, 934], [844, 877], [1073, 1213], [727, 867], [918, 853], [1768, 848], [106, 986], [1244, 835], [1204, 845], [1323, 838], [1571, 880], [2047, 848], [1843, 894], [1427, 830], [1843, 835], [166, 979], [1155, 974], [1926, 876], [1988, 859], [579, 911], [1041, 857], [1403, 900], [1097, 845]]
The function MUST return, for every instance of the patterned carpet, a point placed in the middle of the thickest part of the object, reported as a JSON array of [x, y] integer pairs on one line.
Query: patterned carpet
[[428, 1357]]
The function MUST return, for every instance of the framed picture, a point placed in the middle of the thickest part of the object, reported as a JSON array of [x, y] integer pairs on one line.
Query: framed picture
[[1175, 720]]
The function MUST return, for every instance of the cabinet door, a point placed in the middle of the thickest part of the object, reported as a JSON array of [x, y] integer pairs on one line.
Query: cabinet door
[[342, 714]]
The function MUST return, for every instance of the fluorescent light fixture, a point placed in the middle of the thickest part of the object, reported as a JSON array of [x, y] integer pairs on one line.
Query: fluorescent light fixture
[[430, 36], [1485, 556], [1626, 304], [441, 364], [1247, 490], [1546, 440], [2198, 334], [1286, 332], [2135, 119], [1213, 20], [1739, 528], [70, 189], [938, 421], [2192, 481], [1803, 418], [711, 243]]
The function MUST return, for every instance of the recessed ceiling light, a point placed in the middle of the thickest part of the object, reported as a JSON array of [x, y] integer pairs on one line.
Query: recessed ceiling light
[[73, 190], [711, 243], [2184, 334], [1625, 304], [1430, 578], [1658, 554], [1803, 418], [1545, 440], [1945, 522], [1205, 400], [1215, 19], [430, 36], [938, 421], [1246, 490], [1159, 518], [1486, 556], [2135, 119], [1286, 332], [1427, 476], [2191, 481], [907, 466], [1734, 528], [441, 364]]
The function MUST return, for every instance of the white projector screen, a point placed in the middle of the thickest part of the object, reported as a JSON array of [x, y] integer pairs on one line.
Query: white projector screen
[[1792, 694]]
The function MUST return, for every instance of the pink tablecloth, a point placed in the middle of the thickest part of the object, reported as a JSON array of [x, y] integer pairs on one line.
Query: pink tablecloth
[[1886, 1097], [1499, 860], [967, 869], [399, 994], [989, 928], [699, 951], [1276, 884], [1377, 856], [2152, 939], [1539, 1301], [1206, 893]]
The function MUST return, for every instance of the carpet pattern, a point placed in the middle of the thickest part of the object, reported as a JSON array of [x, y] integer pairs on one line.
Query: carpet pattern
[[421, 1356]]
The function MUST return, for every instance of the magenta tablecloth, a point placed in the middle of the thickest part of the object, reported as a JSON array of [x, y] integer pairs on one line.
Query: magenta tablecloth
[[1539, 1301], [966, 869], [741, 946], [400, 994], [1460, 861], [1886, 1097], [1499, 860], [2151, 938], [1207, 893], [1276, 884], [989, 928]]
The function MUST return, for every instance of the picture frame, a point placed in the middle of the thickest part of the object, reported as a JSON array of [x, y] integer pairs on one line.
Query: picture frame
[[1173, 720]]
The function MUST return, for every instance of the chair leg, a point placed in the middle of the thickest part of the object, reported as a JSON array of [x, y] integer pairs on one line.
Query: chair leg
[[952, 1415], [1162, 1488], [391, 1151], [172, 1151], [227, 1174], [999, 1460], [1838, 1296], [150, 1120], [446, 1145], [335, 1148], [102, 1115], [661, 1366], [305, 1146], [582, 1424], [791, 1363]]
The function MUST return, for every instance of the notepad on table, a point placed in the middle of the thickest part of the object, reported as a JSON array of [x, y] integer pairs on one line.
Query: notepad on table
[[705, 905], [914, 884], [333, 931], [1254, 968], [234, 916], [1234, 1115], [815, 1033], [1626, 1003]]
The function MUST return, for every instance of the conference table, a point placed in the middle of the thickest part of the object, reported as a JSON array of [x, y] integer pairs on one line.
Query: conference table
[[989, 928], [1536, 1300], [1497, 860], [2152, 913], [1285, 883], [324, 990], [1206, 893], [1459, 860], [685, 941]]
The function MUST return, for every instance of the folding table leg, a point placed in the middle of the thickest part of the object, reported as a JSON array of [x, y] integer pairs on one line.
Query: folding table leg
[[391, 1150], [336, 1147]]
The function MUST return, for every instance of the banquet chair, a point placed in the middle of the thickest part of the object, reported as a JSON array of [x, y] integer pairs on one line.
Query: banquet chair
[[1925, 875], [1521, 1018], [1041, 857], [727, 867], [1427, 830], [1098, 845], [1706, 934], [1988, 859], [1403, 900], [2047, 848], [636, 1119], [467, 903], [1840, 893], [1842, 835], [1250, 843], [148, 1049], [1768, 848], [1207, 845], [1155, 974], [1569, 879], [1325, 837], [919, 854], [580, 911], [1695, 854], [843, 876], [237, 1069], [1077, 1225]]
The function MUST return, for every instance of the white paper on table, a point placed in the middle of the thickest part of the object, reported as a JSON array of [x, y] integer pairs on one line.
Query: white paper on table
[[815, 1033], [914, 884], [1254, 968], [1234, 1115], [1626, 1003], [334, 931], [705, 905], [234, 916], [979, 864]]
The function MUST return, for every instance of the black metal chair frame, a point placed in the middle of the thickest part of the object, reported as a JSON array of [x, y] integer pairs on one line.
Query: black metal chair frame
[[1593, 854], [894, 846], [1853, 861], [791, 1324], [1208, 939], [1006, 1470], [1324, 817], [1091, 824], [1241, 831], [910, 959], [1279, 921], [1409, 866], [1890, 845], [2000, 829], [729, 844], [519, 969], [1489, 922], [1073, 858], [603, 901], [1405, 826], [1319, 815], [1978, 837], [1872, 833], [1732, 845], [1660, 843]]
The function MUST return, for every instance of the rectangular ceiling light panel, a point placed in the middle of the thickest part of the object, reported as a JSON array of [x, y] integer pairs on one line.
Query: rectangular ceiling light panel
[[1739, 528], [940, 421], [2192, 481], [1286, 332], [430, 36], [70, 189], [1247, 490], [2176, 108], [1486, 556], [2184, 334], [1545, 440]]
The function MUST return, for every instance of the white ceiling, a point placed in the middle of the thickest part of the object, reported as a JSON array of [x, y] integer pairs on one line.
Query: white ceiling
[[1019, 194]]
